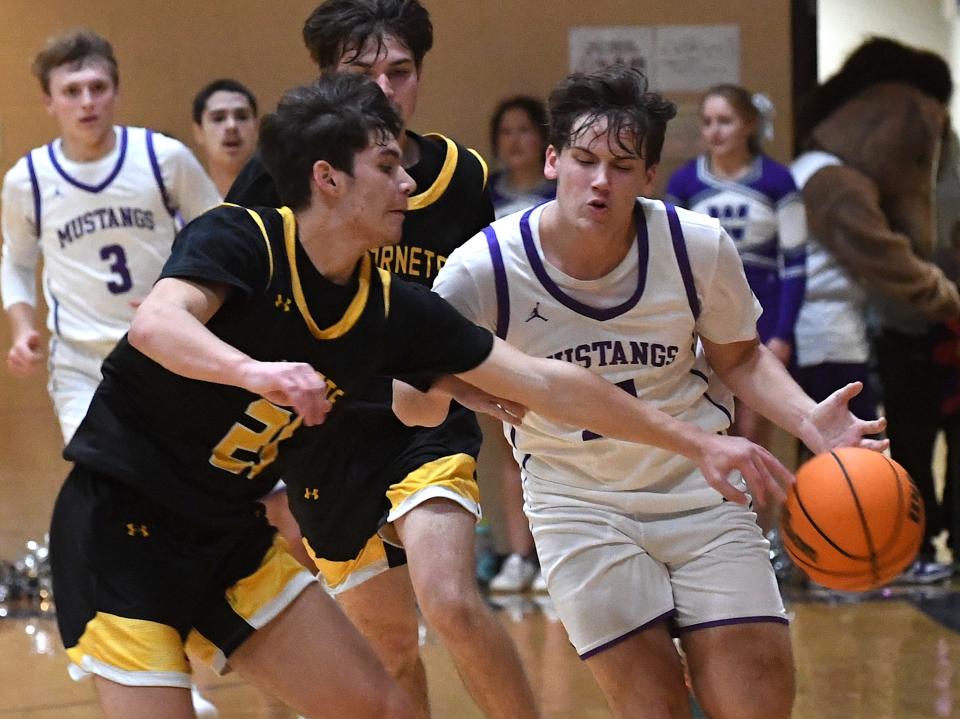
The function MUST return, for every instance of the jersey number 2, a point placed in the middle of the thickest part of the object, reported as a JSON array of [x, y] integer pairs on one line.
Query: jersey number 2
[[119, 265], [260, 446]]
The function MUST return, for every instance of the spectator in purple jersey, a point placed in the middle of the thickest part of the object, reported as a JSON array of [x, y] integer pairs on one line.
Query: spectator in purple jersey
[[757, 203]]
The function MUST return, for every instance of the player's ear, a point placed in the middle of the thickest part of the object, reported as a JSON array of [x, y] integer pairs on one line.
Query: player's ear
[[650, 174], [550, 163], [324, 177]]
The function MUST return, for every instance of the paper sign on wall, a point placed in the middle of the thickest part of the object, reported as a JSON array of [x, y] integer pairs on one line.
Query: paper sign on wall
[[675, 57]]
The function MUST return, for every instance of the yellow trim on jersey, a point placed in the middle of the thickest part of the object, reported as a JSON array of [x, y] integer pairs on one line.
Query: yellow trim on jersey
[[483, 164], [385, 279], [454, 473], [372, 560], [263, 230], [130, 645], [439, 186], [358, 302]]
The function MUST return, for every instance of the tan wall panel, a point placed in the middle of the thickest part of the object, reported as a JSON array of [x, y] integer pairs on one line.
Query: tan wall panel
[[484, 50]]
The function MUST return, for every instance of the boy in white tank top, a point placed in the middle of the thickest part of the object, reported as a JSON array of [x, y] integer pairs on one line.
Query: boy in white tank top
[[631, 535], [101, 203]]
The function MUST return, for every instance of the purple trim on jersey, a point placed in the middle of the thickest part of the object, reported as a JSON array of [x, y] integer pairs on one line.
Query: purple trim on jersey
[[499, 281], [623, 637], [155, 166], [56, 312], [110, 178], [35, 187], [596, 313], [683, 260], [711, 400], [719, 406], [729, 622]]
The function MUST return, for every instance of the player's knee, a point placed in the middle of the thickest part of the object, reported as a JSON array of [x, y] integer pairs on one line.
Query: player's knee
[[769, 674], [451, 608], [399, 651]]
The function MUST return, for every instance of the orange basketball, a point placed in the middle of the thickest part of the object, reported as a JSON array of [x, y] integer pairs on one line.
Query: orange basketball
[[854, 520]]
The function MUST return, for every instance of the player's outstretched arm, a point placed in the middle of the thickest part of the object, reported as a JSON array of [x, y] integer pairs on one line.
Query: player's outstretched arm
[[758, 378], [429, 409], [170, 328], [572, 395]]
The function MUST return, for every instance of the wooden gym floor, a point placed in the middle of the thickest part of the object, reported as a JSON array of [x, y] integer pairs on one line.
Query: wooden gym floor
[[892, 655]]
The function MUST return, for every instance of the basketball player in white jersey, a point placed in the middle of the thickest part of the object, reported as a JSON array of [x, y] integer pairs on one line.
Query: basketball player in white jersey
[[99, 204], [637, 541]]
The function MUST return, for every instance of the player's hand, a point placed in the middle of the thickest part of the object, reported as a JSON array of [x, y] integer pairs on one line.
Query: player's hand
[[721, 457], [25, 355], [476, 399], [831, 424], [290, 384], [781, 349]]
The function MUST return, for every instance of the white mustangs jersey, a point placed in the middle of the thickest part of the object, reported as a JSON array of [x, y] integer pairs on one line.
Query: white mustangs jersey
[[105, 229], [637, 327]]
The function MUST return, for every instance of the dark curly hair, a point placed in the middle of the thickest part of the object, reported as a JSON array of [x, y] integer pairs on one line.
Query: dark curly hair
[[620, 95], [339, 25], [332, 119]]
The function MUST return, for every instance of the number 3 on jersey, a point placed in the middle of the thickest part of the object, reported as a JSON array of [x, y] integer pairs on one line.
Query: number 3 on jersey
[[118, 265], [260, 446]]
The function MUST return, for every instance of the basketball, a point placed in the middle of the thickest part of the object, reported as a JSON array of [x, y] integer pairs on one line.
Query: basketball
[[854, 520]]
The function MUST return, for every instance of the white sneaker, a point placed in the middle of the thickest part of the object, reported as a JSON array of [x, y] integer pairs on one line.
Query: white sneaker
[[514, 576], [203, 707]]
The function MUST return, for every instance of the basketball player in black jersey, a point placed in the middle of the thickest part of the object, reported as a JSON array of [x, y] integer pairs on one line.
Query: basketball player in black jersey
[[384, 470]]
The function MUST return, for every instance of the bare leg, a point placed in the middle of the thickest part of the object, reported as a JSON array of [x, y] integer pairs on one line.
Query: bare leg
[[120, 702], [314, 660], [438, 536], [385, 611], [742, 671], [642, 677], [278, 514]]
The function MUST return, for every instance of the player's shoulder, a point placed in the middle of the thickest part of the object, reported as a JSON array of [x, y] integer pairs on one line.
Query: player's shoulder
[[690, 221], [18, 176], [228, 216], [164, 146], [701, 233], [465, 159]]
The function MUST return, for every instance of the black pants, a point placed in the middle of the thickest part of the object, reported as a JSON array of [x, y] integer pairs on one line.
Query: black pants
[[912, 398]]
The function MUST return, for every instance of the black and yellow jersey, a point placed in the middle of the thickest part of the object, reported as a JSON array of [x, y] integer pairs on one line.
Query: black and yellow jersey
[[374, 449], [207, 451], [451, 204]]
